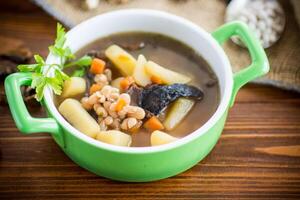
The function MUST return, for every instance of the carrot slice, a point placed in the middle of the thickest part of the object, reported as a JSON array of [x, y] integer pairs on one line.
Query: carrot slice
[[156, 79], [153, 124], [97, 66], [126, 82], [94, 88], [120, 105]]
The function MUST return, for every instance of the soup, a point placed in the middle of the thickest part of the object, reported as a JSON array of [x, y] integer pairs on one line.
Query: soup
[[161, 90]]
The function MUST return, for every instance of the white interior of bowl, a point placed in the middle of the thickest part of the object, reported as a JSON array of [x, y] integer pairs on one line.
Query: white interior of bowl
[[157, 22]]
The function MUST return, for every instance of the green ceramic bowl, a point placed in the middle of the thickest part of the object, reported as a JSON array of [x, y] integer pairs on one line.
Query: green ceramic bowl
[[140, 164]]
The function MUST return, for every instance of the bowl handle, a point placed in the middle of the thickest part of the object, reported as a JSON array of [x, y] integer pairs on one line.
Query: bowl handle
[[24, 121], [260, 63]]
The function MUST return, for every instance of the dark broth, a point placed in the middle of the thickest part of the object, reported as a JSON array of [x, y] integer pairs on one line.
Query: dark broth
[[173, 55]]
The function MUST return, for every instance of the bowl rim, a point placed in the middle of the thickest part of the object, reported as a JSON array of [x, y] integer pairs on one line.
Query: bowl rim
[[221, 109]]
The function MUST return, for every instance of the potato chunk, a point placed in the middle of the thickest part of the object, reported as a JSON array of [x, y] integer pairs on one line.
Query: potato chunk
[[140, 76], [72, 110], [165, 75], [114, 137], [73, 87], [178, 112], [160, 138], [121, 59]]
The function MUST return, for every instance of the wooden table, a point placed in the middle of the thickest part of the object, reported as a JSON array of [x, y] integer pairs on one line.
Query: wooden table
[[257, 156]]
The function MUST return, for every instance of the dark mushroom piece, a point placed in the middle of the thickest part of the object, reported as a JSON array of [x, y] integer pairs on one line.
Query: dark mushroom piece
[[135, 92], [155, 98]]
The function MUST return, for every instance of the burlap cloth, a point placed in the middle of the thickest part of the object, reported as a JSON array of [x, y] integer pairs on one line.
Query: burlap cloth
[[284, 56]]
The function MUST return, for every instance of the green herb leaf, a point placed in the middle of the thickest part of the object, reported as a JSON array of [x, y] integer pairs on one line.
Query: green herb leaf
[[39, 59], [55, 85], [79, 72], [81, 62], [40, 89], [68, 53], [40, 70], [60, 36], [60, 75], [37, 79], [56, 51], [28, 68], [58, 47]]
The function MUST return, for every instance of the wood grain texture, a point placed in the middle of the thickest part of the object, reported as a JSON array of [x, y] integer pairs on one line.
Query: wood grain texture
[[257, 156]]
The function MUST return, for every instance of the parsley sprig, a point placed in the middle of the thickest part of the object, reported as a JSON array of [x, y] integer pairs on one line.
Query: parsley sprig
[[40, 70]]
